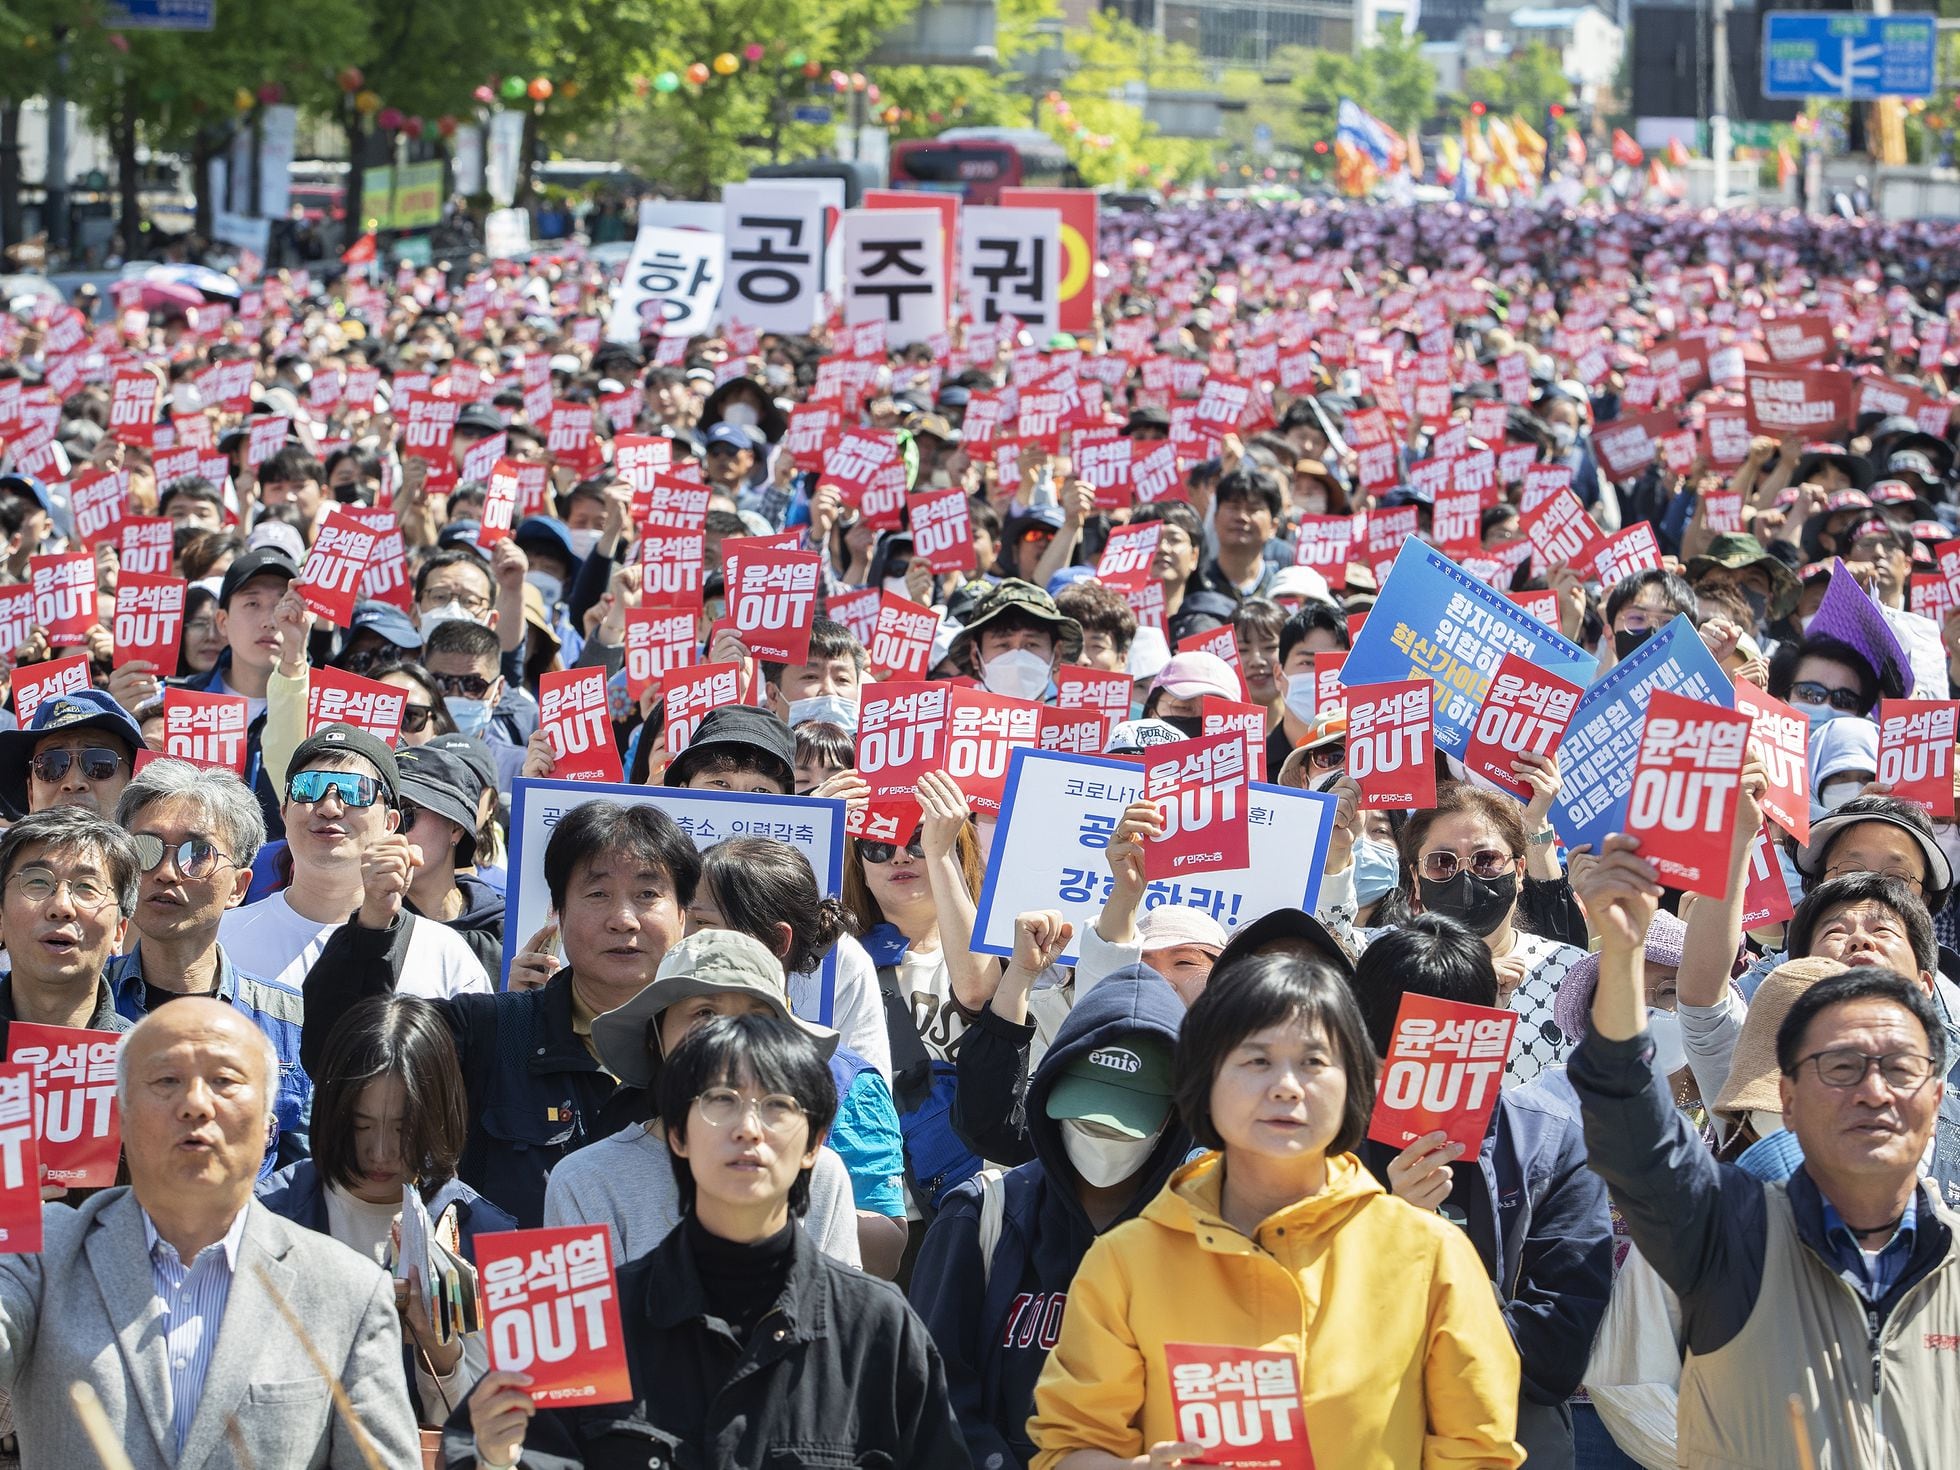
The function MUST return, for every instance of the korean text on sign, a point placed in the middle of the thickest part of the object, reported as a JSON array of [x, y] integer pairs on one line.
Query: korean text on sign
[[1241, 1404], [1444, 1069], [1685, 787], [76, 1119], [1202, 788], [551, 1310]]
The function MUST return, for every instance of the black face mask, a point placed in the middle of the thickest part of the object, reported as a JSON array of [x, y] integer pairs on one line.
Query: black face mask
[[1479, 904], [1758, 607], [1625, 642], [1190, 726]]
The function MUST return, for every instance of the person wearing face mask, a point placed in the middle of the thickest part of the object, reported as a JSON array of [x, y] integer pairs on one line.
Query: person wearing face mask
[[1014, 640], [1638, 607], [1317, 627], [993, 1276], [825, 686], [1843, 762], [1737, 560], [465, 659], [1178, 693], [1527, 1201]]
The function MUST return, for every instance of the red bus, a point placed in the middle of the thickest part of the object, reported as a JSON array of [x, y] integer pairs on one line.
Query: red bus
[[977, 163]]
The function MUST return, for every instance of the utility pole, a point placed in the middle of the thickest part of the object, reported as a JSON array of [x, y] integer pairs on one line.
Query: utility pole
[[54, 181], [1718, 122]]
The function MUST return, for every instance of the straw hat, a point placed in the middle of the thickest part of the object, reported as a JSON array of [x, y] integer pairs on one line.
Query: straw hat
[[1753, 1073]]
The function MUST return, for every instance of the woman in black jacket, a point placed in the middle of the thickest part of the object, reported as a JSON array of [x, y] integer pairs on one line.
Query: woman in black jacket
[[748, 1348]]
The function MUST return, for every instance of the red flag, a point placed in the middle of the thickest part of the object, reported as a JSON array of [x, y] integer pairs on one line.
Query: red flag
[[1626, 150], [361, 252]]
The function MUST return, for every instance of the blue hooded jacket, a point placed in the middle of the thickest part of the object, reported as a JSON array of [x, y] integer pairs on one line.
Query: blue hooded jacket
[[994, 1324]]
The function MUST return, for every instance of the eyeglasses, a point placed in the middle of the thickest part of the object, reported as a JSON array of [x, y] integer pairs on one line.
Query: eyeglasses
[[1902, 1071], [196, 857], [1328, 757], [1846, 701], [1485, 862], [202, 627], [353, 789], [470, 602], [99, 763], [367, 658], [881, 853], [37, 885], [416, 717], [465, 686], [723, 1107], [1845, 870]]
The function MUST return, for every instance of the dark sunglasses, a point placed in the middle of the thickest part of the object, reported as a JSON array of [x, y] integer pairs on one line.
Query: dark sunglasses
[[99, 763], [881, 853], [465, 686], [416, 717], [1846, 701], [353, 789], [196, 857], [1328, 757]]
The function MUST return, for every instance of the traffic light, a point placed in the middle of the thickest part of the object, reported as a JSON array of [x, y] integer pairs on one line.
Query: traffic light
[[1558, 109], [1476, 109], [1320, 146]]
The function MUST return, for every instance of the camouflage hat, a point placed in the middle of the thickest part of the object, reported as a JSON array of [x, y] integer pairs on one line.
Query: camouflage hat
[[1014, 595], [1733, 552]]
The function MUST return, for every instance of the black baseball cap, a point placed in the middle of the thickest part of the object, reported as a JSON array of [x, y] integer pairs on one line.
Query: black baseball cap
[[441, 783], [266, 561], [336, 741], [481, 418], [739, 725], [474, 755], [1289, 928]]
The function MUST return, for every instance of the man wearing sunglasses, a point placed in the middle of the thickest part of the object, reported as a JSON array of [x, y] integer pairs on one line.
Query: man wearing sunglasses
[[79, 750], [342, 814], [67, 888]]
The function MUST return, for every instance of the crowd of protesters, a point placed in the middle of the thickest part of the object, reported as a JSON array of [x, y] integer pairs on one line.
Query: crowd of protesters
[[876, 1194]]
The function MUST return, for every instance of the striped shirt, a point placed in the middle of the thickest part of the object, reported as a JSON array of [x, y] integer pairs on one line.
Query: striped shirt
[[192, 1302]]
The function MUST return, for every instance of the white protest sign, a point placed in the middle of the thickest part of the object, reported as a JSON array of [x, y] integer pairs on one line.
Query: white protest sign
[[670, 284], [813, 826], [893, 272], [1010, 265], [772, 275], [1058, 813]]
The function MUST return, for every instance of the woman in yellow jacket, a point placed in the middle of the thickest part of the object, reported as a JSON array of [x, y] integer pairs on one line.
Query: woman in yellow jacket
[[1273, 1298]]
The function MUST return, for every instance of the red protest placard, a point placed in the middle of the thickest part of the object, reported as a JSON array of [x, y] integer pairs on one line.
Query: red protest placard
[[1391, 744], [1765, 891], [1444, 1069], [551, 1311], [265, 438], [575, 717], [100, 500], [385, 578], [75, 1116], [37, 683], [334, 697], [1078, 688], [1242, 1404], [208, 729], [691, 694], [881, 506], [145, 544], [16, 618], [149, 621], [330, 582], [1078, 731], [1218, 715], [64, 594], [1329, 693], [1542, 604], [569, 437], [1125, 561], [1154, 474], [982, 730], [671, 565], [901, 735], [901, 639], [501, 493], [1560, 531], [1685, 785], [1203, 788], [1813, 403], [1453, 521], [942, 530], [659, 640], [20, 1163], [133, 406], [1797, 341], [772, 599], [1627, 552], [1915, 751], [1781, 737], [857, 611], [1525, 712], [1106, 468], [1325, 543]]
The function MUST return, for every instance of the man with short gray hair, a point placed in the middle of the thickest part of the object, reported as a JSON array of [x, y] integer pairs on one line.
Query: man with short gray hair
[[67, 889], [178, 1298], [196, 832]]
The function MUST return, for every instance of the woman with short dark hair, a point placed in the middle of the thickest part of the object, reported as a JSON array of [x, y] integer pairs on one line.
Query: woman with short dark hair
[[388, 1114], [748, 1347], [1370, 1326]]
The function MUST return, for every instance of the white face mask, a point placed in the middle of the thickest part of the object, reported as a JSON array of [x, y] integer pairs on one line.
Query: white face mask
[[1835, 792], [896, 586], [583, 540], [1104, 1161], [1765, 1123], [831, 708], [449, 612], [1300, 691], [743, 415], [1670, 1052], [549, 587], [1017, 674], [1313, 503]]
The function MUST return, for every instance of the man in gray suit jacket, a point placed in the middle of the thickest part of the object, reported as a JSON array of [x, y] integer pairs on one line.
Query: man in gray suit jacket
[[159, 1295]]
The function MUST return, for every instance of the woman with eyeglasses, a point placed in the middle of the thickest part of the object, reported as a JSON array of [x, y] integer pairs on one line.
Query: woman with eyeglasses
[[747, 1346], [202, 643]]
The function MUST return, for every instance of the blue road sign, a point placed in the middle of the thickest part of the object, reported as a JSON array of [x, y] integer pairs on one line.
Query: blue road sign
[[1852, 56], [811, 114]]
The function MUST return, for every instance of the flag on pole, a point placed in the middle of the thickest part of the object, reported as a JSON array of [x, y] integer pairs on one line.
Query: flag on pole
[[1626, 150], [361, 252]]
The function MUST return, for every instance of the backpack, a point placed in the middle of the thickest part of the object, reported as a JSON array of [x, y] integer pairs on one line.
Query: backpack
[[937, 1159]]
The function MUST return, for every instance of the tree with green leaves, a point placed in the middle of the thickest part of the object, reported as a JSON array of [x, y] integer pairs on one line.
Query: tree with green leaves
[[1526, 85]]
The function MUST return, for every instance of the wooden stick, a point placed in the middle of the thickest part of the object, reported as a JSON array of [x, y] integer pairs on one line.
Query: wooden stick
[[241, 1457], [325, 1369], [1800, 1430], [95, 1422]]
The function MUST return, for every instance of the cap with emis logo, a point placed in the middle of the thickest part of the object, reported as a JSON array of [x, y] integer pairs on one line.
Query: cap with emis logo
[[1123, 1084]]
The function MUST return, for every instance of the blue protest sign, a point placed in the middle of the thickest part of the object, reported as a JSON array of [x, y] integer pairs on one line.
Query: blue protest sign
[[1595, 759], [1059, 812], [1434, 620], [813, 826]]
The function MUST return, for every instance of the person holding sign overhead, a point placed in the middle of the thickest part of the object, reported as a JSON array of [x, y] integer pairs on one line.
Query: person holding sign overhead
[[1273, 1281]]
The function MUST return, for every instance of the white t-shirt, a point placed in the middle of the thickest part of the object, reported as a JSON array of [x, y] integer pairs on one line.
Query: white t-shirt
[[857, 1010], [271, 940]]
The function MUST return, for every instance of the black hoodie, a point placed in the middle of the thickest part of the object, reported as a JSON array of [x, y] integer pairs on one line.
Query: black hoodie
[[994, 1326], [480, 925]]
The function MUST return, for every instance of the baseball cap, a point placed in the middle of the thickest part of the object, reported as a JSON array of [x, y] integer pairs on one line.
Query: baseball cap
[[387, 622], [550, 533], [744, 726], [337, 741], [83, 709], [708, 962], [1196, 672], [480, 418], [1134, 737], [474, 755], [441, 783], [732, 435], [277, 536], [1124, 1083], [28, 485], [266, 561]]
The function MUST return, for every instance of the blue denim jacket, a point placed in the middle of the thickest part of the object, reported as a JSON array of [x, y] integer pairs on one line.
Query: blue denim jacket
[[275, 1009]]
